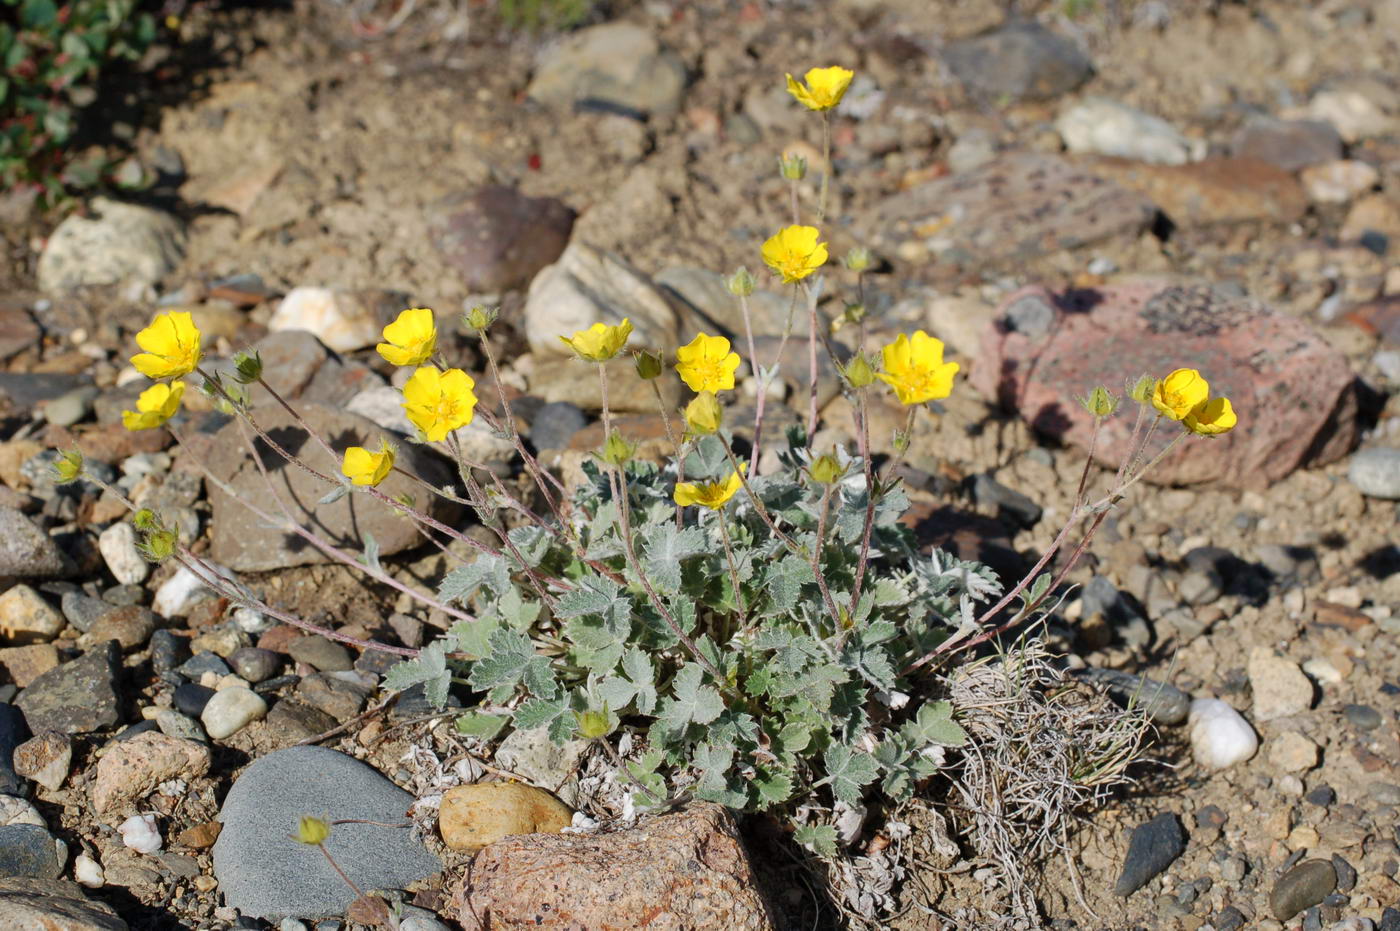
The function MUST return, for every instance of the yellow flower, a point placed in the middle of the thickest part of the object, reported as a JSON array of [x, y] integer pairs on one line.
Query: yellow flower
[[411, 339], [155, 406], [439, 402], [363, 467], [1211, 417], [706, 364], [710, 495], [794, 252], [1179, 393], [312, 830], [704, 415], [825, 87], [915, 369], [600, 342], [171, 345]]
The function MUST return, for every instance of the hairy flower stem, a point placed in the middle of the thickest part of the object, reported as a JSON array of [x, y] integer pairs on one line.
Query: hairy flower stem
[[863, 437], [811, 359], [837, 627], [826, 166], [756, 501], [382, 908], [902, 441], [531, 465], [733, 570]]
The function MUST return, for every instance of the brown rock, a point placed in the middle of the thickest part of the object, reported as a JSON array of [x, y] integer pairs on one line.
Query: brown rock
[[1376, 212], [497, 238], [45, 759], [686, 870], [473, 816], [25, 664], [1217, 190], [1293, 393], [1331, 614], [130, 625], [25, 617], [1380, 318], [132, 768], [200, 836]]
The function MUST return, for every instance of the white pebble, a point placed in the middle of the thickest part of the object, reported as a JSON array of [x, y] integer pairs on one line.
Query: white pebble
[[230, 710], [1220, 737], [182, 590], [419, 923], [118, 547], [139, 832], [15, 810], [88, 871]]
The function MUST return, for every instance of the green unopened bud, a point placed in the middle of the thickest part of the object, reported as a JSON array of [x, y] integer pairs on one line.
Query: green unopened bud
[[594, 725], [247, 367], [617, 451], [479, 318], [704, 415], [826, 469], [1100, 402], [648, 363], [312, 830], [741, 283], [159, 545], [145, 519], [1141, 390], [68, 467], [858, 259], [859, 372], [793, 167], [854, 312]]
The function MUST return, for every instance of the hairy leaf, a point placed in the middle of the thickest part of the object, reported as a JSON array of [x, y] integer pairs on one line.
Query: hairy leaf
[[848, 771]]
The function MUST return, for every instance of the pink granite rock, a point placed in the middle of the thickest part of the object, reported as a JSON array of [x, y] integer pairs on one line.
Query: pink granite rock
[[670, 873], [1294, 394]]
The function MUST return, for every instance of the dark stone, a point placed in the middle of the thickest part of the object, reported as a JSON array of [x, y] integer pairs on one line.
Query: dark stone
[[377, 662], [1166, 704], [336, 697], [77, 697], [1020, 61], [555, 423], [1362, 717], [1118, 610], [272, 685], [1303, 886], [167, 651], [1151, 849], [1229, 918], [27, 552], [1289, 144], [27, 390], [191, 698], [254, 664], [497, 238], [196, 666], [1390, 920], [121, 596], [137, 729], [321, 653], [82, 611], [1322, 796], [292, 722], [13, 732], [1012, 507], [28, 850], [413, 703], [1375, 242]]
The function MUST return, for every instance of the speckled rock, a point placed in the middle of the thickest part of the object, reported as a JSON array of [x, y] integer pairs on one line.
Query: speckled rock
[[77, 697], [1302, 887], [473, 816], [132, 768], [683, 870], [26, 552], [52, 904], [116, 244]]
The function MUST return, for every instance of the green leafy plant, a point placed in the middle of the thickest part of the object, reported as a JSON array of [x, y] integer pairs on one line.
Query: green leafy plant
[[544, 14]]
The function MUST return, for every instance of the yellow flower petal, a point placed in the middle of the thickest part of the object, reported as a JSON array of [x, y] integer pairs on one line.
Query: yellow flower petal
[[915, 369], [794, 252], [154, 406], [824, 87], [411, 339], [712, 495], [704, 415], [438, 402], [1212, 417], [363, 467], [600, 342], [1179, 393], [706, 364], [171, 345]]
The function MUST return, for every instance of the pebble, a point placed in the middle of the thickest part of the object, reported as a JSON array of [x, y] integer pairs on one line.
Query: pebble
[[118, 547], [130, 626], [1376, 472], [200, 663], [1291, 752], [28, 850], [47, 903], [112, 244], [88, 872], [1302, 887], [26, 551], [263, 872], [1100, 597], [70, 407], [121, 596], [230, 710], [175, 724], [1164, 703], [16, 810], [1100, 126], [473, 816], [1355, 115], [1019, 61], [1289, 144], [1151, 849], [342, 320], [1338, 182], [77, 697], [1011, 506], [555, 423], [1220, 736], [1346, 873], [131, 769], [496, 238], [141, 834], [321, 653], [192, 698], [254, 664], [1386, 793], [1280, 687], [45, 758], [82, 611], [25, 617], [25, 664], [221, 641], [1321, 796], [1362, 717], [167, 651], [1200, 587], [1288, 563], [1229, 918]]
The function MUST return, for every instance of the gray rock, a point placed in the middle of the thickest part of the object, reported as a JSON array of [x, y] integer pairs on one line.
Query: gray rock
[[77, 697], [1302, 887], [1288, 563], [1101, 597], [81, 610], [1164, 703], [291, 360], [54, 904], [13, 732], [323, 654], [72, 407], [1362, 717], [1200, 587], [26, 552], [1346, 873], [1289, 144], [1031, 315], [28, 850], [704, 296], [1011, 505], [175, 724], [241, 540], [617, 66], [496, 238], [1022, 61], [1376, 472], [339, 695], [555, 423], [167, 651], [254, 664], [119, 244], [1151, 849], [200, 663], [262, 872]]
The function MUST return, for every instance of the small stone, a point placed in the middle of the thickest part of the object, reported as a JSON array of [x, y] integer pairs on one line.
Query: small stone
[[1220, 736], [1338, 182], [167, 651], [1289, 144], [71, 407], [555, 423], [26, 552], [200, 836], [182, 591], [1099, 126], [496, 238], [1302, 887], [15, 810], [141, 834], [200, 664], [1019, 61], [1322, 796], [131, 769], [121, 596], [45, 758], [1386, 793], [1376, 472], [1101, 598], [81, 610], [118, 547], [1011, 506], [88, 872], [1281, 689], [1355, 115], [13, 732], [618, 65], [77, 697], [1151, 849], [1200, 587], [321, 653], [191, 698], [130, 626], [1164, 703], [231, 710], [1346, 873], [254, 664], [1288, 563], [220, 641], [28, 850], [1362, 717], [25, 617], [342, 320], [1291, 752], [54, 904], [25, 664], [341, 698], [114, 244], [473, 816], [175, 724]]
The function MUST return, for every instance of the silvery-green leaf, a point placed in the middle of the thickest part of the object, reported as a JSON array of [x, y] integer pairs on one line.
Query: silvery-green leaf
[[818, 838], [335, 494], [848, 771], [480, 724]]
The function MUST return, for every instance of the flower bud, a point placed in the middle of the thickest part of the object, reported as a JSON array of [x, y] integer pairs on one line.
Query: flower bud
[[648, 363], [593, 725], [312, 830], [68, 467], [793, 167], [1100, 402], [741, 283], [858, 259], [247, 367], [854, 312], [145, 519], [617, 451], [1141, 390], [704, 415], [826, 469], [159, 545], [859, 371], [478, 319]]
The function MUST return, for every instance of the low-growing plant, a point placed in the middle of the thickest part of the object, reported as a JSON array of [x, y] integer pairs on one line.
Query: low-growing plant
[[762, 629]]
